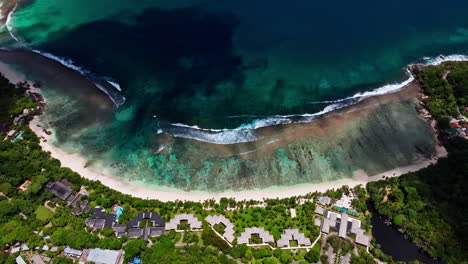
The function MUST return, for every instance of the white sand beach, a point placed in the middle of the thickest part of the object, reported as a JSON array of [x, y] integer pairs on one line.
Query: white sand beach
[[78, 164]]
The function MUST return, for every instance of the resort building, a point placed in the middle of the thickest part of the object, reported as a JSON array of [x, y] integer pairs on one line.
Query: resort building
[[36, 259], [191, 220], [104, 256], [293, 235], [63, 191], [319, 210], [228, 225], [153, 227], [293, 212], [25, 186], [346, 226], [73, 253], [344, 202], [156, 229], [262, 233], [119, 230], [20, 260], [100, 219], [324, 200], [59, 189]]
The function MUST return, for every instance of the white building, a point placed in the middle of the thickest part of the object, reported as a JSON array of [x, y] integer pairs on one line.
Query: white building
[[105, 256]]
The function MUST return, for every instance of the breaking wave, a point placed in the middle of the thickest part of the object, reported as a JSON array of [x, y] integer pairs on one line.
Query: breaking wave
[[247, 132], [117, 98], [111, 88], [9, 25]]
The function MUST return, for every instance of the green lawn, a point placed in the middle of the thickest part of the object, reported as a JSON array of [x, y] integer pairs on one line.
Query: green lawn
[[43, 213]]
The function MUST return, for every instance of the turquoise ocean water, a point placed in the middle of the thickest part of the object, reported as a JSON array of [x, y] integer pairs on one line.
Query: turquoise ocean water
[[191, 75]]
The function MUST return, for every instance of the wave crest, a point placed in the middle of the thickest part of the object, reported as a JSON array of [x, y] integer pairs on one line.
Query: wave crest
[[246, 132]]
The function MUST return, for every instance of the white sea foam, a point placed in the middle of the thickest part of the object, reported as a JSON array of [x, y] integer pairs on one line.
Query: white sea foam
[[441, 59], [224, 136], [246, 132], [9, 25], [160, 148], [116, 85], [117, 99], [272, 141], [65, 62]]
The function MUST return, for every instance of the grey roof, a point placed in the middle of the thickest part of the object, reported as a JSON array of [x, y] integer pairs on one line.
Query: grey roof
[[325, 200], [105, 256], [100, 219], [221, 219], [20, 260], [262, 233], [330, 220], [327, 223], [72, 251], [84, 204], [135, 232], [355, 226], [156, 231], [110, 219], [319, 210], [119, 228], [37, 259], [362, 239], [153, 217], [96, 224], [193, 222], [59, 189], [74, 199], [343, 225], [99, 213], [317, 221], [291, 235]]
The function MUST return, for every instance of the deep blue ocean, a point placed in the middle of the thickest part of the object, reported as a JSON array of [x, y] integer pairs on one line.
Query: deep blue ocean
[[196, 69]]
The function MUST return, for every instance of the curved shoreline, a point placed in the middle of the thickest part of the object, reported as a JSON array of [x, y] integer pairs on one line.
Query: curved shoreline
[[78, 164], [141, 190]]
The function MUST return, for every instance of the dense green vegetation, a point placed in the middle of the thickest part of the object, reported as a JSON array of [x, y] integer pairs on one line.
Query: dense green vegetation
[[447, 88], [431, 209], [430, 205], [275, 217], [22, 213]]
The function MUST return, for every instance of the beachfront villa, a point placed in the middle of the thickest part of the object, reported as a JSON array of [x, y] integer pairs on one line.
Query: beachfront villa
[[290, 235], [346, 226], [246, 236], [59, 189], [192, 221], [324, 200], [156, 229], [221, 219], [153, 228]]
